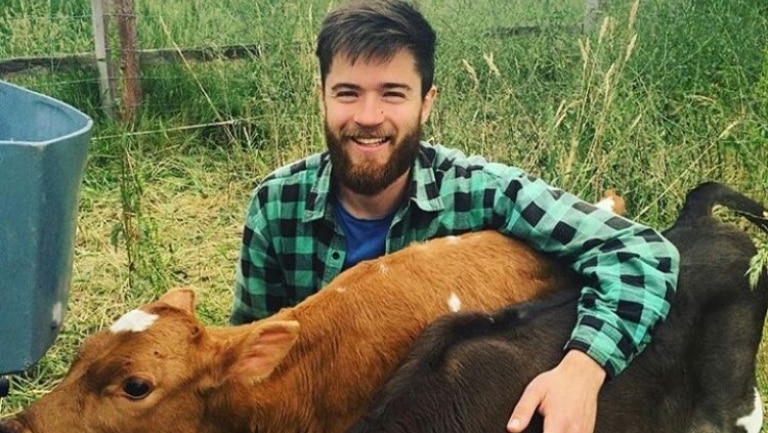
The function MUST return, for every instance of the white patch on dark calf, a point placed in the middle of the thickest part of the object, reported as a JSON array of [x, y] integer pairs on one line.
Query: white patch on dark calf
[[133, 321], [454, 303], [753, 422]]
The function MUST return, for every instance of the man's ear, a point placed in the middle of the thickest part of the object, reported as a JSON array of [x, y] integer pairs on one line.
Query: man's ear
[[426, 105]]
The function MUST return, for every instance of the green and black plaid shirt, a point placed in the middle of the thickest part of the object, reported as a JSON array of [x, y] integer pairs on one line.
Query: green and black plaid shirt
[[292, 245]]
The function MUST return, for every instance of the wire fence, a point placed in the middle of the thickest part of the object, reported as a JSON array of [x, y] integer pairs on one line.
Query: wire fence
[[113, 56]]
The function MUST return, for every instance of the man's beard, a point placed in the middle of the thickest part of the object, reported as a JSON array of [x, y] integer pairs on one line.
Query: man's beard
[[367, 177]]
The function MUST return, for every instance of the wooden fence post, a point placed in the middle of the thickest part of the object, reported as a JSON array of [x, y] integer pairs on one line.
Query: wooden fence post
[[129, 60], [100, 22]]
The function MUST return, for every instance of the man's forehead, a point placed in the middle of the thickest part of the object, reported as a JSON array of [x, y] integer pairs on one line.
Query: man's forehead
[[400, 68], [373, 58]]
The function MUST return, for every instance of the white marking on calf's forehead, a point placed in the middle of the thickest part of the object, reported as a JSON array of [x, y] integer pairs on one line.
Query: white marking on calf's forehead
[[753, 422], [454, 303], [133, 321]]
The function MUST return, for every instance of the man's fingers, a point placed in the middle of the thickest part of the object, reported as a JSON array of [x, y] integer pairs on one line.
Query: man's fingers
[[524, 410]]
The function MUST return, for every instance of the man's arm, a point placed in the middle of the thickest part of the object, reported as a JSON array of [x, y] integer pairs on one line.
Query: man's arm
[[630, 272]]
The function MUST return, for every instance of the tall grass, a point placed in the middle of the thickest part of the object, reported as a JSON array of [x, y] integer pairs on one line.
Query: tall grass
[[656, 99]]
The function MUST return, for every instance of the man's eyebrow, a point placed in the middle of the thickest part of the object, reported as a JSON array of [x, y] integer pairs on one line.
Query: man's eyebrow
[[397, 86], [345, 86], [385, 86]]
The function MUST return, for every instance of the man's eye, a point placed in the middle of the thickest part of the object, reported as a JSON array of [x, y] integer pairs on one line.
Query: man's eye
[[345, 95], [394, 95]]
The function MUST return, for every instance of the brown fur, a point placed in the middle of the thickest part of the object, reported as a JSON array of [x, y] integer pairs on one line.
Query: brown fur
[[269, 377], [378, 314]]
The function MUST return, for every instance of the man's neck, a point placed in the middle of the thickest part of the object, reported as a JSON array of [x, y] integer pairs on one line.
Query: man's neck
[[374, 206]]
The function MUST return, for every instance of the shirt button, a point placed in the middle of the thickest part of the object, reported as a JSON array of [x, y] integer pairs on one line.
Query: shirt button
[[335, 255]]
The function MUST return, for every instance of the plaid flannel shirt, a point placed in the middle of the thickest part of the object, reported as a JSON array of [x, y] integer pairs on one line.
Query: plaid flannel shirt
[[292, 246]]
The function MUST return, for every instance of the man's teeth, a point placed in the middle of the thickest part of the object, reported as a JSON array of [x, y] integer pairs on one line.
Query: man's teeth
[[370, 141]]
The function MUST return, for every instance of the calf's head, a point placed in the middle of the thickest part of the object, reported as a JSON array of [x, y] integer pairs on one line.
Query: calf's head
[[158, 369]]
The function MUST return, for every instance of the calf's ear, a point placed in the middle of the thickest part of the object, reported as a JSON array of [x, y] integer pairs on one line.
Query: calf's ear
[[182, 298], [263, 349]]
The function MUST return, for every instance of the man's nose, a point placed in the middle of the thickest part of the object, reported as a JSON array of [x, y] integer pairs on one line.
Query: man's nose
[[371, 112]]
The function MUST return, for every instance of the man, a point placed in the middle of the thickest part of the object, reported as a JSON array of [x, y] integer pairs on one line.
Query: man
[[378, 188]]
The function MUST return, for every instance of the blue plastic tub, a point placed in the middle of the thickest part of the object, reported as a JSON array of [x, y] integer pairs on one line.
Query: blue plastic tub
[[43, 150]]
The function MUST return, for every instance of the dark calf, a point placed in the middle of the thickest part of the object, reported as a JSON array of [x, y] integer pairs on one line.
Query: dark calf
[[466, 371]]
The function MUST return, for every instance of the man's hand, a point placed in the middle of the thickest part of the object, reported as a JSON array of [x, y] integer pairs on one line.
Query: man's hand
[[565, 396]]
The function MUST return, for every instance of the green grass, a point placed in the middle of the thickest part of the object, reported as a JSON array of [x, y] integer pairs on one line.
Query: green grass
[[651, 104]]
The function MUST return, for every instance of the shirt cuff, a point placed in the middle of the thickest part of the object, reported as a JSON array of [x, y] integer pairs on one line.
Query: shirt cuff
[[603, 342]]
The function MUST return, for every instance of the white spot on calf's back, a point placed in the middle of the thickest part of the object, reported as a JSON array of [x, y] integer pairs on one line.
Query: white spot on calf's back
[[133, 321], [453, 239], [454, 303], [753, 422]]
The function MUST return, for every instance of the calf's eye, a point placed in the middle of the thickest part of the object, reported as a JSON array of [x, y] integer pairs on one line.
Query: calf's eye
[[136, 389]]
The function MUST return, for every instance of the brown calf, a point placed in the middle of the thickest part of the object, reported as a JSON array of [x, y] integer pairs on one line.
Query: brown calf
[[158, 369]]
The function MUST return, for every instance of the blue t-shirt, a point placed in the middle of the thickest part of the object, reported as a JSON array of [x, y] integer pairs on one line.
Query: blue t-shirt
[[365, 238]]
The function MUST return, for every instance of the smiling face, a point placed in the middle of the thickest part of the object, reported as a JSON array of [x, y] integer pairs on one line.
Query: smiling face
[[373, 116]]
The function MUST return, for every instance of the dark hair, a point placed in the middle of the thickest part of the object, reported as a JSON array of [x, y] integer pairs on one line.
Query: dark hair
[[377, 30]]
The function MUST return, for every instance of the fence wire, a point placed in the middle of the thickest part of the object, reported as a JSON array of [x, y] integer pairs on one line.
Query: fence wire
[[196, 53]]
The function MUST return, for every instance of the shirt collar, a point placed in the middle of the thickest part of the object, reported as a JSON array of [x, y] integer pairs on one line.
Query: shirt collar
[[423, 188], [318, 197]]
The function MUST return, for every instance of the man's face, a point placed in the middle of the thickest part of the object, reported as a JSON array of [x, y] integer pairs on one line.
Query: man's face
[[373, 117]]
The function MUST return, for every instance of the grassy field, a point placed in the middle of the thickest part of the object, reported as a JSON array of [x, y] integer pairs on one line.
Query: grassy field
[[650, 103]]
